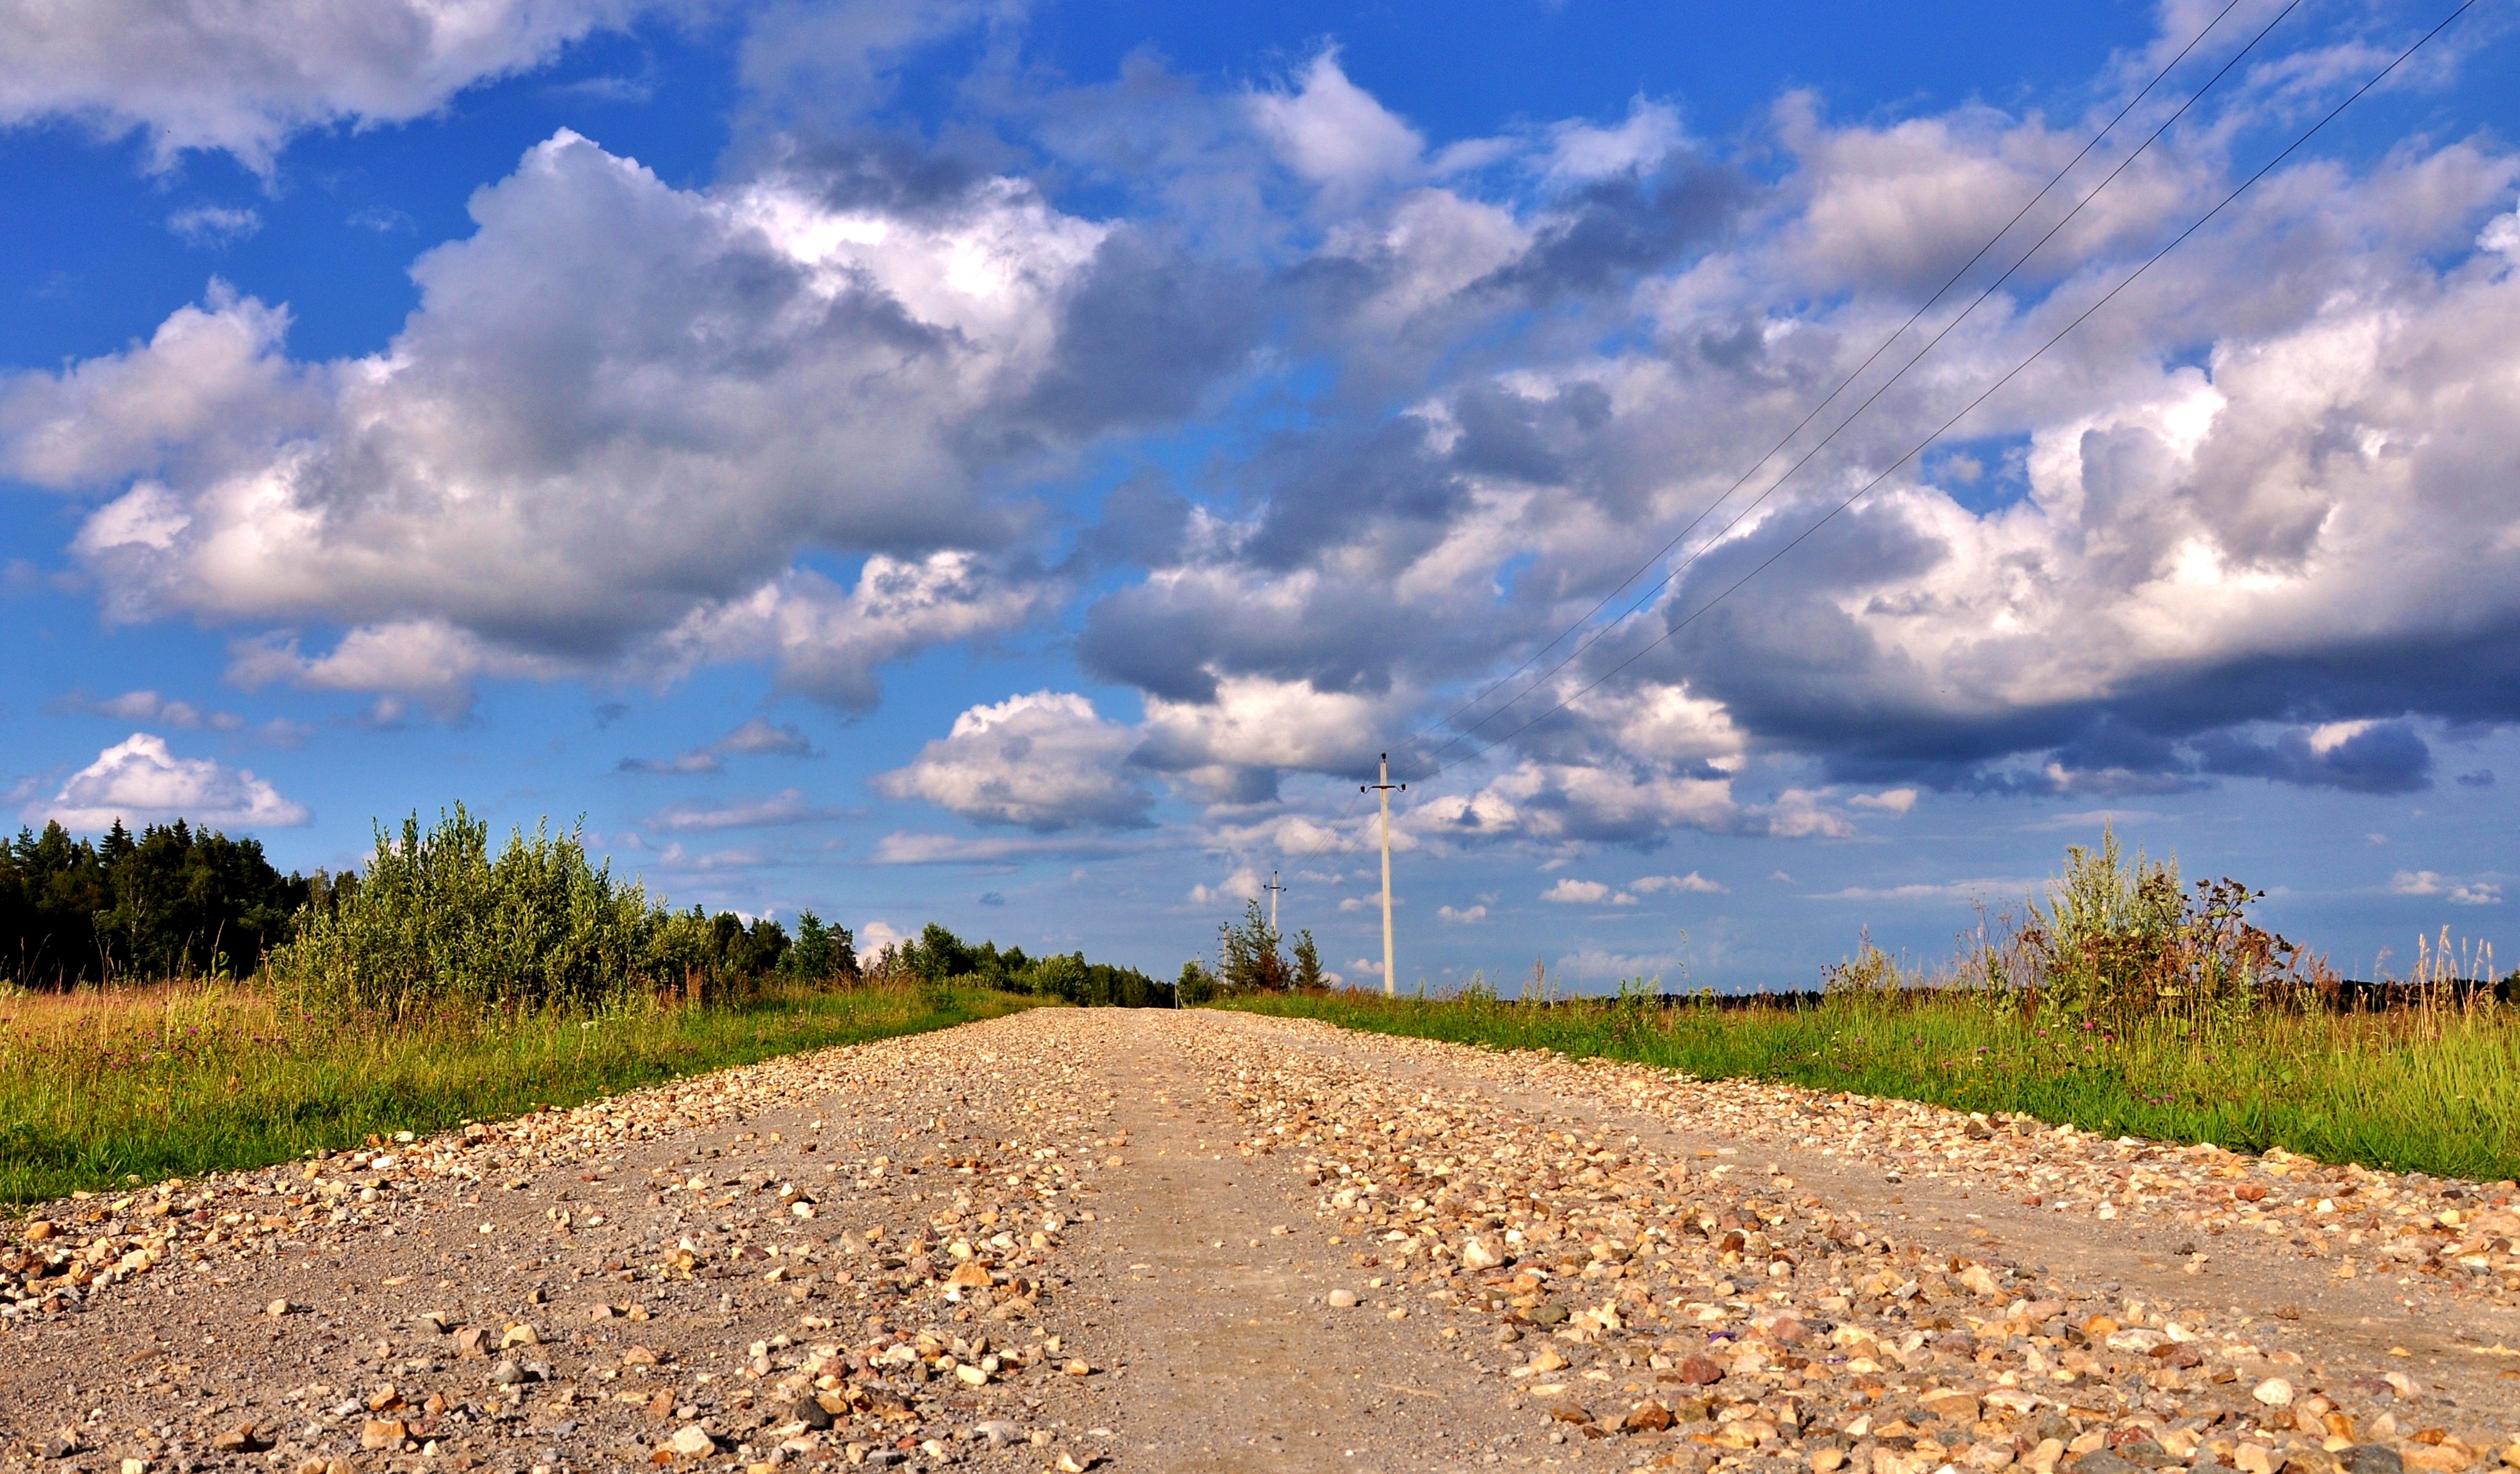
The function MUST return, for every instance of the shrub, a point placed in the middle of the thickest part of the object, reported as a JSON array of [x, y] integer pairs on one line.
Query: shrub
[[2122, 940], [436, 920], [1196, 984]]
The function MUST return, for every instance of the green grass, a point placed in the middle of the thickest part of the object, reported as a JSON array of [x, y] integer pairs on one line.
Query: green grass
[[98, 1090], [2428, 1091]]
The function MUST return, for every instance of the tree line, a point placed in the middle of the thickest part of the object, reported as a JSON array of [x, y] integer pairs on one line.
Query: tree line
[[440, 917], [172, 901]]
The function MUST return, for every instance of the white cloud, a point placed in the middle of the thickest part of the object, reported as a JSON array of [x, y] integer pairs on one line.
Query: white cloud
[[203, 75], [828, 644], [1593, 964], [1243, 886], [1045, 761], [215, 225], [1580, 152], [2433, 883], [1257, 724], [874, 936], [1333, 133], [140, 781], [1565, 801], [1462, 917], [1692, 884], [1799, 814], [1573, 892], [1887, 801], [429, 660]]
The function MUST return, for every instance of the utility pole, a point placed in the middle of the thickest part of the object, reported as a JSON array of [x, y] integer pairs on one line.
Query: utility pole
[[1274, 889], [1383, 792]]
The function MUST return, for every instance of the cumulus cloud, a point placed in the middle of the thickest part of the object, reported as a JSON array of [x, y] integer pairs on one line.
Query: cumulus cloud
[[2172, 564], [1043, 760], [1469, 916], [140, 781], [201, 75], [619, 413], [630, 424]]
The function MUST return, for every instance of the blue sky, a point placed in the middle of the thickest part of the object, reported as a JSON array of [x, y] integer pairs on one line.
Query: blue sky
[[1017, 465]]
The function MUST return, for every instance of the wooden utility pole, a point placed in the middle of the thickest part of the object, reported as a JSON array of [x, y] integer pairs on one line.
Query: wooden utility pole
[[1382, 791], [1274, 889]]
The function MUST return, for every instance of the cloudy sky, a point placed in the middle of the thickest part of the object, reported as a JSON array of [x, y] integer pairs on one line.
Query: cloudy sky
[[1017, 465]]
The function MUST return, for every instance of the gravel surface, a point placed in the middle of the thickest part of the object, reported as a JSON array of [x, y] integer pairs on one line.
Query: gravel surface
[[1103, 1238]]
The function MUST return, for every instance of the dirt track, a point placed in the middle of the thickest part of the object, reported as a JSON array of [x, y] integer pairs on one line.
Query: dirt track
[[1199, 1242]]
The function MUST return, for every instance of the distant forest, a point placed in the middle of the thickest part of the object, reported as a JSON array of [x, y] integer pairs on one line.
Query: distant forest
[[176, 901]]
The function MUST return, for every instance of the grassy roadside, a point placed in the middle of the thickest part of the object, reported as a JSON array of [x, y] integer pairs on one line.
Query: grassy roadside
[[98, 1090], [2426, 1091]]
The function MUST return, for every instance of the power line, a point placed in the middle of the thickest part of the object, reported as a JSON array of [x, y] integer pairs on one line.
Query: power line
[[2010, 374], [1858, 373]]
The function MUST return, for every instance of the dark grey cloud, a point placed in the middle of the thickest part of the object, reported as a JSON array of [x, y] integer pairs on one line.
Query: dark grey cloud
[[1612, 229], [2389, 757], [1143, 522], [1143, 336]]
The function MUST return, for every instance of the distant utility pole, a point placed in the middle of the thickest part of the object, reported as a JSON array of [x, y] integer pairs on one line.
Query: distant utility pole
[[1383, 792], [1274, 889]]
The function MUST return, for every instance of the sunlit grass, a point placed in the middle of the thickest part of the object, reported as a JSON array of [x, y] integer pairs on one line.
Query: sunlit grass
[[99, 1089], [2430, 1090]]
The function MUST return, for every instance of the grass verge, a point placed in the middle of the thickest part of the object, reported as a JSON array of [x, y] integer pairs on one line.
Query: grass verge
[[2434, 1091], [145, 1083]]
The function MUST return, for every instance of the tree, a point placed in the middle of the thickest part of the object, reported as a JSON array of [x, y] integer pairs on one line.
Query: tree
[[1308, 964], [821, 953], [1248, 955]]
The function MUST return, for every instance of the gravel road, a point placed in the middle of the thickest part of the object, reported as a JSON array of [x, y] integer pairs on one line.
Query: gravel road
[[1115, 1239]]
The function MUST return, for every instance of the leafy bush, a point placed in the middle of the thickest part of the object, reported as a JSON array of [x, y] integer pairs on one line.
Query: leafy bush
[[437, 921]]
